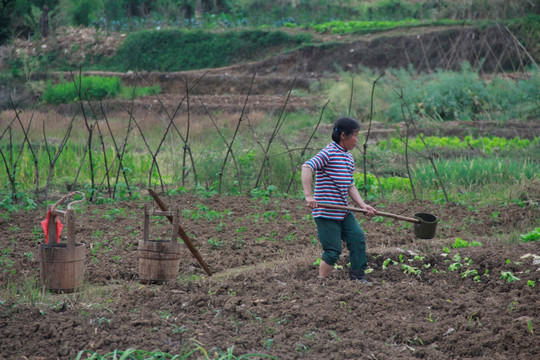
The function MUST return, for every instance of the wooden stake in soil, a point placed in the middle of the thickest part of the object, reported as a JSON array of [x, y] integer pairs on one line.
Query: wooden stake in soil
[[181, 232]]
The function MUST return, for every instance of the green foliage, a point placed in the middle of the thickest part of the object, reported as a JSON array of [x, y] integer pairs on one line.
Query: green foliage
[[7, 264], [462, 95], [216, 243], [391, 9], [258, 13], [321, 11], [5, 18], [387, 262], [509, 276], [361, 27], [530, 326], [175, 50], [89, 88], [129, 93], [20, 200], [83, 11], [531, 236], [388, 184], [131, 15], [442, 95], [193, 349], [94, 88], [460, 243], [71, 159], [264, 194], [408, 269], [204, 212], [527, 30], [348, 27], [448, 95], [487, 144], [504, 95], [477, 171], [465, 174]]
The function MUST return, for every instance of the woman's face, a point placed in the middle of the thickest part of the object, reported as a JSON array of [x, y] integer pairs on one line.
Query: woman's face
[[348, 142]]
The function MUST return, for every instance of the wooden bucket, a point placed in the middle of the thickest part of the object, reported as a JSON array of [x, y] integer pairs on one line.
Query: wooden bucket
[[159, 260], [62, 265]]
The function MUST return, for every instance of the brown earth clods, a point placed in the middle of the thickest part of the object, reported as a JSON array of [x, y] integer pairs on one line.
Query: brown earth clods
[[264, 296]]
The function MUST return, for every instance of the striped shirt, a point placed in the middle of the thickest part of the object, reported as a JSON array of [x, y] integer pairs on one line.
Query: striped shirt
[[333, 167]]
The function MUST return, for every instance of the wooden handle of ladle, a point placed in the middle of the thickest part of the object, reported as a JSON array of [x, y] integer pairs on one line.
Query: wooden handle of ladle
[[350, 208]]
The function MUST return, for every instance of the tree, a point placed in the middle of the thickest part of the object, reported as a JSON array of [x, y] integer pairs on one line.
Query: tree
[[44, 22], [6, 10], [83, 12]]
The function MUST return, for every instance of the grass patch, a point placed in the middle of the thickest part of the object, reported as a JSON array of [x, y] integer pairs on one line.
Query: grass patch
[[363, 27], [194, 349], [92, 88]]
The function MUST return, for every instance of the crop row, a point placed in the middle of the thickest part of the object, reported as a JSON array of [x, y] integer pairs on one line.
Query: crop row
[[72, 169]]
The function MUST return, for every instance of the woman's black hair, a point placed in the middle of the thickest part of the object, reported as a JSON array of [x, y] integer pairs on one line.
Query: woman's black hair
[[344, 125]]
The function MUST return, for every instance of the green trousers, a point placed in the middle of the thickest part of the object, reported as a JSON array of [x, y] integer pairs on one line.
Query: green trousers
[[332, 232]]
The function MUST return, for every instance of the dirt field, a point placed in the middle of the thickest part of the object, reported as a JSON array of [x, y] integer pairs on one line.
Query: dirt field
[[264, 295]]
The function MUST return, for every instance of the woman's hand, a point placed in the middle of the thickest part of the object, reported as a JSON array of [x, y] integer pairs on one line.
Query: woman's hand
[[311, 202], [370, 210]]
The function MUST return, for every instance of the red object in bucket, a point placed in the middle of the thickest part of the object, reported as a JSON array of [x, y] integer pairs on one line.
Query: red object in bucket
[[45, 226]]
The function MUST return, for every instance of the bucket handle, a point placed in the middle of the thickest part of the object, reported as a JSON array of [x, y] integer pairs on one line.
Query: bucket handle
[[175, 222], [69, 216], [68, 195]]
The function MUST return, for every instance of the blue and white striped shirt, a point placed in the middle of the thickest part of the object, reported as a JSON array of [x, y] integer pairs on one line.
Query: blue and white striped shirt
[[333, 167]]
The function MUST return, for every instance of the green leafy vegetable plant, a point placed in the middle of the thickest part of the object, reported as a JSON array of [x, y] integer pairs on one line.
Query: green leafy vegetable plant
[[388, 262], [460, 243], [531, 236], [509, 276], [407, 269]]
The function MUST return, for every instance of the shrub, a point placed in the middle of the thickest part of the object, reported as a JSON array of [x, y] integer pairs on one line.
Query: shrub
[[176, 50], [82, 11], [447, 95], [463, 95], [391, 10]]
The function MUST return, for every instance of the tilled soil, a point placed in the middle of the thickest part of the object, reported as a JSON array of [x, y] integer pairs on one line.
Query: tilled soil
[[264, 296]]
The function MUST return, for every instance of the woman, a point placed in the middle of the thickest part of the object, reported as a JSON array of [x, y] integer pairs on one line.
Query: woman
[[333, 167]]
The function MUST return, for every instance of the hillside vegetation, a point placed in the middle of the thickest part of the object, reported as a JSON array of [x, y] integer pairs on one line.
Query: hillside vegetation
[[215, 105], [22, 17], [162, 80], [170, 36]]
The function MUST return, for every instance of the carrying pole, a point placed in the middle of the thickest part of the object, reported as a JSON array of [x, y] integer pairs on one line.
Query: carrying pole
[[181, 232]]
